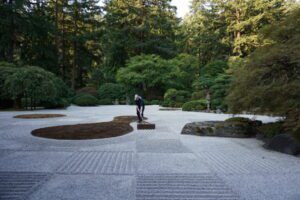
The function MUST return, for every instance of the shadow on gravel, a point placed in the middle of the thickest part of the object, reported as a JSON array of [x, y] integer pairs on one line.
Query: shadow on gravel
[[119, 126]]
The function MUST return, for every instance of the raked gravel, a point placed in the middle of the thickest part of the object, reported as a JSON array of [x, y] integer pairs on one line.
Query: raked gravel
[[144, 165]]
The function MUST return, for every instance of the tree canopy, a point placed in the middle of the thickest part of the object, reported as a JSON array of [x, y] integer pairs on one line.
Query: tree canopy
[[236, 54]]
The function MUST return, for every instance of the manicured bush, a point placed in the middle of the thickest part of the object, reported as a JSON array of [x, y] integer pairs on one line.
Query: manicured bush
[[111, 91], [156, 102], [6, 69], [85, 100], [88, 90], [30, 86], [56, 103], [105, 102], [269, 130], [198, 105]]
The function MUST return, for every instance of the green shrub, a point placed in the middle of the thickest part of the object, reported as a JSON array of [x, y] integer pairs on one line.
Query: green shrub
[[175, 98], [156, 102], [271, 129], [105, 102], [195, 105], [111, 91], [199, 95], [34, 83], [56, 103], [85, 100], [88, 90]]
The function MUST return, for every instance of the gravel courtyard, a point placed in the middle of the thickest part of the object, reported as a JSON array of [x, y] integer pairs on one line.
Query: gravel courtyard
[[156, 164]]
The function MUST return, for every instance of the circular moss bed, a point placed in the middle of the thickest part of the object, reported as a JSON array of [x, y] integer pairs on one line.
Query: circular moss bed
[[119, 126], [38, 116]]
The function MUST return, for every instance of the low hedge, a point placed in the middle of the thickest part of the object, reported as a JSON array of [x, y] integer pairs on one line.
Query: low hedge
[[198, 105], [56, 103], [270, 130], [85, 100], [87, 90], [105, 102]]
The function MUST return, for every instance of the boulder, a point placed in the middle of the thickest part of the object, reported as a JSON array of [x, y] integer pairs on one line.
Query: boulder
[[218, 129], [284, 143]]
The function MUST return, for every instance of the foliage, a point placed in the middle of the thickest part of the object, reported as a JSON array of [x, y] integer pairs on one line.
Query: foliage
[[59, 36], [85, 100], [186, 70], [269, 82], [138, 27], [198, 95], [105, 102], [31, 83], [198, 105], [156, 102], [215, 81], [111, 91], [203, 32], [220, 91], [56, 103], [6, 69], [37, 86], [149, 73], [87, 90], [271, 129], [175, 98]]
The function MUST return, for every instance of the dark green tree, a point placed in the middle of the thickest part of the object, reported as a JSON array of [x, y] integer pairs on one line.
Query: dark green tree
[[270, 80]]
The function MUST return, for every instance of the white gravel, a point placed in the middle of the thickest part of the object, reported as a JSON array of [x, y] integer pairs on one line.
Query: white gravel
[[159, 164]]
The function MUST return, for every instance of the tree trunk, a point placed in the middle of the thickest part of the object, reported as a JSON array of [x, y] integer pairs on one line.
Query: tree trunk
[[10, 53], [63, 47], [18, 103], [75, 46]]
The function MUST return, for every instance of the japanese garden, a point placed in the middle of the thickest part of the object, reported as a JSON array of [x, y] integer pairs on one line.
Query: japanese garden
[[150, 99]]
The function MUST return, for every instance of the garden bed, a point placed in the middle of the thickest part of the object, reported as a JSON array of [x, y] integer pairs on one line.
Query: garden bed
[[118, 127], [38, 116]]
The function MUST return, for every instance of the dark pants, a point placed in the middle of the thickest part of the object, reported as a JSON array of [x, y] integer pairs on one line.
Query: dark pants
[[141, 113], [143, 108]]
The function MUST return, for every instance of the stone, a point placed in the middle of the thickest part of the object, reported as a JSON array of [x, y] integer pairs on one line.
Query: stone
[[218, 129], [284, 143], [145, 126]]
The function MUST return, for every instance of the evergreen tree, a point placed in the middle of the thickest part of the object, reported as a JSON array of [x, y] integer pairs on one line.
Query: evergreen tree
[[138, 27]]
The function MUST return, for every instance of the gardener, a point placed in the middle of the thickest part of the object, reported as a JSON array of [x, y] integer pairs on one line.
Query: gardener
[[140, 107]]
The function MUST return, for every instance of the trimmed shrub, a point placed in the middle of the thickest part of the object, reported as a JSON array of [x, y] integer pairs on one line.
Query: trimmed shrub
[[155, 102], [198, 105], [270, 130], [56, 103], [105, 102], [111, 91], [88, 90], [85, 100], [30, 86]]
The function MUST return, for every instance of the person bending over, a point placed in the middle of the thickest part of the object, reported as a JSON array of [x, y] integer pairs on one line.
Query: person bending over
[[140, 107]]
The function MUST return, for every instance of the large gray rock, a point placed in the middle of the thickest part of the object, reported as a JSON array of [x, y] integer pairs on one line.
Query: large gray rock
[[284, 143], [219, 129]]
